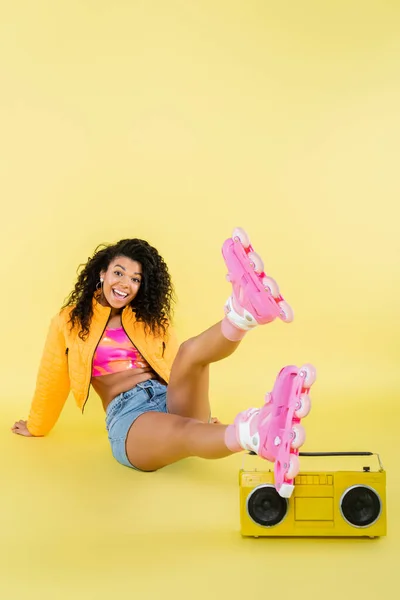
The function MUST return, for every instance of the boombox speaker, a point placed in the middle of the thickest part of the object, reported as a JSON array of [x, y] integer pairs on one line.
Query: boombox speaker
[[339, 503]]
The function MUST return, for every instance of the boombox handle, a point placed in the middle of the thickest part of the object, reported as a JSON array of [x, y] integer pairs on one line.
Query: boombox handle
[[340, 454]]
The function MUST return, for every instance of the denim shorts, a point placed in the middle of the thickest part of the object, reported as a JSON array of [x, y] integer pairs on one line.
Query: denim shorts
[[122, 412]]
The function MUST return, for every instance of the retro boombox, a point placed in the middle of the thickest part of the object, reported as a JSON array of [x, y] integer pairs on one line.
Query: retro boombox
[[341, 503]]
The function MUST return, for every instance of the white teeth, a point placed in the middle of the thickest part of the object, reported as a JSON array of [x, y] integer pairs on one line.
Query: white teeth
[[120, 293]]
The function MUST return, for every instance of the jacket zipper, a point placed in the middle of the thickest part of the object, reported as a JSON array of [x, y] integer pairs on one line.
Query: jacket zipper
[[91, 366], [134, 344]]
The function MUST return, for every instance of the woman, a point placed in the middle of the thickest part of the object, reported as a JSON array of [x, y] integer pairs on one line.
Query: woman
[[114, 333]]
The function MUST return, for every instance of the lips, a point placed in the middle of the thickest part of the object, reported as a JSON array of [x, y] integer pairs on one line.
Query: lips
[[118, 295]]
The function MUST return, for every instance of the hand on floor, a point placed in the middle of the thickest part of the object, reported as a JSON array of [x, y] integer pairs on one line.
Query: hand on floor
[[20, 428]]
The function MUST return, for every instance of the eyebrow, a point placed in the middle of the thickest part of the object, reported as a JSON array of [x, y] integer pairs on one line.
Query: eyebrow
[[123, 268]]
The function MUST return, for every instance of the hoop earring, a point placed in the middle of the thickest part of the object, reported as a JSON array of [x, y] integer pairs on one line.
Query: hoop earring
[[99, 284]]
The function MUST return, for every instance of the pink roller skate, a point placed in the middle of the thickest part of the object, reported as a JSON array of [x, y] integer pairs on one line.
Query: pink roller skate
[[256, 298], [274, 431]]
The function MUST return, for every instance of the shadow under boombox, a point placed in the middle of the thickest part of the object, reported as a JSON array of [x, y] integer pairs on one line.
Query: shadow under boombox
[[337, 503]]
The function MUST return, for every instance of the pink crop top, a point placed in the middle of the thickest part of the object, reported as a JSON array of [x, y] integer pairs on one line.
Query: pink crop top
[[116, 353]]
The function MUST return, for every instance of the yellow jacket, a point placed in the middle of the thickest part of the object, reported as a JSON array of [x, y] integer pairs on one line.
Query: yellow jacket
[[66, 363]]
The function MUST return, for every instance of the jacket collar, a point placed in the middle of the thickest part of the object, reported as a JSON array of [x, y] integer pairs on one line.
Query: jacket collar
[[104, 311]]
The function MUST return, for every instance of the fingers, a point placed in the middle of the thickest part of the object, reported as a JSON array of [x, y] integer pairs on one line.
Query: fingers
[[19, 426]]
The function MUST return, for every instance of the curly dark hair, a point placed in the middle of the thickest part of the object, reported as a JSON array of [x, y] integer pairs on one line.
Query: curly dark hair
[[153, 302]]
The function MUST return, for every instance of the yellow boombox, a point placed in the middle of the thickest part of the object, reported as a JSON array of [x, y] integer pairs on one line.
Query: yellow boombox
[[341, 503]]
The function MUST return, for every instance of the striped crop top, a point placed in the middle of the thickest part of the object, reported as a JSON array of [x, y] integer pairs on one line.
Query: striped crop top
[[116, 353]]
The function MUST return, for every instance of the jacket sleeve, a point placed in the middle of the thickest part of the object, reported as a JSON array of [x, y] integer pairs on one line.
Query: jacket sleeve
[[52, 384]]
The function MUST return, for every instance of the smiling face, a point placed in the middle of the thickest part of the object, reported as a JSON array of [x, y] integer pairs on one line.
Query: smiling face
[[122, 281]]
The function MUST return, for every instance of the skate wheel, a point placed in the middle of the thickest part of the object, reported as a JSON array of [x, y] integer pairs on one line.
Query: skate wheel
[[310, 375], [271, 285], [256, 261], [239, 235], [299, 436], [303, 406], [286, 312], [294, 467]]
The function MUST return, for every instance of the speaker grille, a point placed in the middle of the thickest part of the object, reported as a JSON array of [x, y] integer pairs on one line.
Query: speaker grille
[[266, 507], [360, 506]]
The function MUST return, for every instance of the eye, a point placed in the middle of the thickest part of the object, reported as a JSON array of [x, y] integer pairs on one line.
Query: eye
[[136, 280], [117, 273]]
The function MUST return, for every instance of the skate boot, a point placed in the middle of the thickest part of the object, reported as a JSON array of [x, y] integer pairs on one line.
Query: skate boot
[[274, 432], [255, 297]]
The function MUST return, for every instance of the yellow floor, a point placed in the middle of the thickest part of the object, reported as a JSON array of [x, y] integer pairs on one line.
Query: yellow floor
[[175, 122], [76, 525]]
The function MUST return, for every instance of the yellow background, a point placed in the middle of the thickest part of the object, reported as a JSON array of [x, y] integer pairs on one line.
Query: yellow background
[[176, 121]]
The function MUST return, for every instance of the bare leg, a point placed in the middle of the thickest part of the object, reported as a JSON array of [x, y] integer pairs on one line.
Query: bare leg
[[188, 386], [158, 439]]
